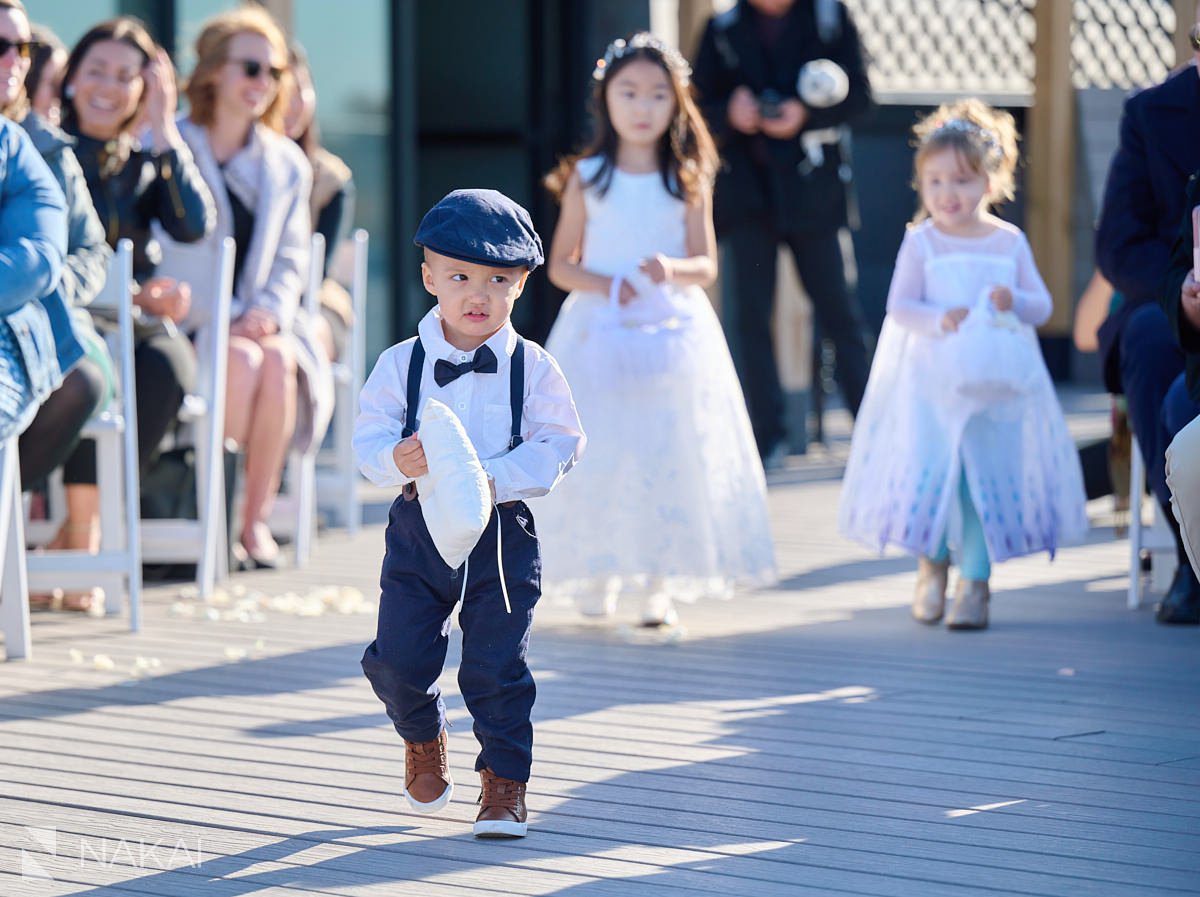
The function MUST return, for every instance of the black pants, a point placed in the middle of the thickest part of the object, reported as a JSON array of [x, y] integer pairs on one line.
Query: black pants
[[164, 367], [822, 268], [54, 433], [419, 593]]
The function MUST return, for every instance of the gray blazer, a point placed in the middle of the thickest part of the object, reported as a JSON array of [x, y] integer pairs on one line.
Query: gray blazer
[[275, 268]]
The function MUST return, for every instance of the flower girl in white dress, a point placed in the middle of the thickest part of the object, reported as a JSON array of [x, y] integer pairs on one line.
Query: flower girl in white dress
[[960, 442], [671, 504]]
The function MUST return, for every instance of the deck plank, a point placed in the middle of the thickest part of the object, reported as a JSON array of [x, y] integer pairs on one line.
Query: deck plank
[[804, 740]]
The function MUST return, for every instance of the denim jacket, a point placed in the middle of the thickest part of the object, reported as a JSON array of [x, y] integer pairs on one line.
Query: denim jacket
[[33, 244], [85, 269]]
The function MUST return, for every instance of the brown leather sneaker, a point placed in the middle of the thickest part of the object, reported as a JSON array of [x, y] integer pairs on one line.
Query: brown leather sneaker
[[427, 782], [502, 812]]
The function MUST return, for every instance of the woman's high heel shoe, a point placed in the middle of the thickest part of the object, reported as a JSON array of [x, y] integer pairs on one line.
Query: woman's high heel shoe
[[265, 556]]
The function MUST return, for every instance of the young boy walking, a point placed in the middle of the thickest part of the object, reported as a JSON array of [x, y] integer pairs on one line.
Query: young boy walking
[[516, 407]]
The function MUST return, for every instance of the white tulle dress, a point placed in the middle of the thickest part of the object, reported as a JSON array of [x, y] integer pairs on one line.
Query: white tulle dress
[[671, 500], [913, 437]]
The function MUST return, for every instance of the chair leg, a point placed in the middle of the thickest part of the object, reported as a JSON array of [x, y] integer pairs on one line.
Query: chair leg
[[347, 468], [207, 510], [14, 583], [1137, 491], [305, 484], [112, 523]]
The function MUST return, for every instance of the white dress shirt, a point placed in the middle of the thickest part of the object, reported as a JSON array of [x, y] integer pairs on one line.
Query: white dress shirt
[[553, 437]]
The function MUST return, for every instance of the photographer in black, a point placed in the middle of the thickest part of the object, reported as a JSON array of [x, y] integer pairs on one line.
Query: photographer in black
[[779, 80]]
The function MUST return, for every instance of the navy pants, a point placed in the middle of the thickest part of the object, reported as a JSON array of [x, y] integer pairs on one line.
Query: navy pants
[[419, 592], [1151, 360]]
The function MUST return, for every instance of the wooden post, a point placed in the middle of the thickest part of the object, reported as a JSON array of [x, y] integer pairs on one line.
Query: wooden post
[[693, 16], [1051, 159], [1185, 18]]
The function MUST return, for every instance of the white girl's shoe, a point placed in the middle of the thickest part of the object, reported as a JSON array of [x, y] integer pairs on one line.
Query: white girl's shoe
[[598, 604], [970, 607], [658, 611], [929, 598]]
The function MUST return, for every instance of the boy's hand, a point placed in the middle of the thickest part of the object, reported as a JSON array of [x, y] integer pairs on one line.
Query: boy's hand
[[409, 456], [953, 318], [1002, 298]]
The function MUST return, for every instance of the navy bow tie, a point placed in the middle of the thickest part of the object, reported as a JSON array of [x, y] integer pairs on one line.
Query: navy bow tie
[[483, 362]]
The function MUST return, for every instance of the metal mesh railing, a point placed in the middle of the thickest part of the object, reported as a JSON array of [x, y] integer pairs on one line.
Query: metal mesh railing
[[957, 47]]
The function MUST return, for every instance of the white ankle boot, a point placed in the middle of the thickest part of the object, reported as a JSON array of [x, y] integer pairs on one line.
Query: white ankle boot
[[929, 598], [970, 607]]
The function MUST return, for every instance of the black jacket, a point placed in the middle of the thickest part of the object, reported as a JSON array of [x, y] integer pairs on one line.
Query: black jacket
[[148, 187], [1143, 198], [1180, 264], [762, 176]]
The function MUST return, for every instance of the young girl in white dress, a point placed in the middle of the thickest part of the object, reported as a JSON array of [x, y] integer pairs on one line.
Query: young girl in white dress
[[671, 504], [960, 444]]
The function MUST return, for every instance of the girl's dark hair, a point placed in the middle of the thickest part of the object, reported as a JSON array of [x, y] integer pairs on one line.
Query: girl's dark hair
[[46, 44], [687, 155], [124, 30]]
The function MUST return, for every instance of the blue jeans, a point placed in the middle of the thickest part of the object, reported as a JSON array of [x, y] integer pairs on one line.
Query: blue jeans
[[973, 560], [419, 593]]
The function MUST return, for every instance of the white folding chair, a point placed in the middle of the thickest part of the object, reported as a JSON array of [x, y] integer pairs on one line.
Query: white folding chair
[[118, 566], [201, 541], [14, 587], [338, 478], [295, 513], [1146, 540]]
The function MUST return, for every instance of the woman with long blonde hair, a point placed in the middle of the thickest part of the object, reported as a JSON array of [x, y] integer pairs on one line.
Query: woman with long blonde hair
[[261, 182]]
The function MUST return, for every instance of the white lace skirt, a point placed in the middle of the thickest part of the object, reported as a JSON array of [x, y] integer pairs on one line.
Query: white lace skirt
[[912, 438], [670, 494]]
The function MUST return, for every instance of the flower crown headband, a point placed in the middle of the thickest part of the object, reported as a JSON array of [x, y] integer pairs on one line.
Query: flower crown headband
[[967, 128], [642, 41]]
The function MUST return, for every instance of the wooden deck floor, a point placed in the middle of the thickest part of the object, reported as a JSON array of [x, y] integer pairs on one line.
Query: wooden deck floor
[[808, 740]]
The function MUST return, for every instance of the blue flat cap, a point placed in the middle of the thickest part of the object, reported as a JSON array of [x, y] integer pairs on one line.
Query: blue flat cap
[[481, 226]]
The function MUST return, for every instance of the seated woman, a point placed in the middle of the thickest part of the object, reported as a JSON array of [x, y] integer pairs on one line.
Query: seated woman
[[54, 433], [36, 341], [43, 83], [117, 81], [331, 206], [261, 182]]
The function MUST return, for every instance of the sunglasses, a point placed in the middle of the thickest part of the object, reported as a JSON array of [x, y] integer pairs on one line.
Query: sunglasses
[[252, 68], [23, 47]]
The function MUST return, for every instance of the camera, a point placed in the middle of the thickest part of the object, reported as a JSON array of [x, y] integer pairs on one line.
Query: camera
[[769, 102]]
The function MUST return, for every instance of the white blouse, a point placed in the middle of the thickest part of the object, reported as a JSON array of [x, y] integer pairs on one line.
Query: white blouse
[[553, 436]]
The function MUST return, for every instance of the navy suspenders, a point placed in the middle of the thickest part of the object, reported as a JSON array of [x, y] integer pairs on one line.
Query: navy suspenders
[[415, 365], [516, 396], [516, 391]]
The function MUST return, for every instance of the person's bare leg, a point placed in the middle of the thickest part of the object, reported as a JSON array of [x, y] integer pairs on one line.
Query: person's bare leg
[[80, 531], [271, 428], [241, 393]]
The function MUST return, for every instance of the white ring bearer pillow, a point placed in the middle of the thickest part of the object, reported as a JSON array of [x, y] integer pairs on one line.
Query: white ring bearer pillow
[[456, 500]]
